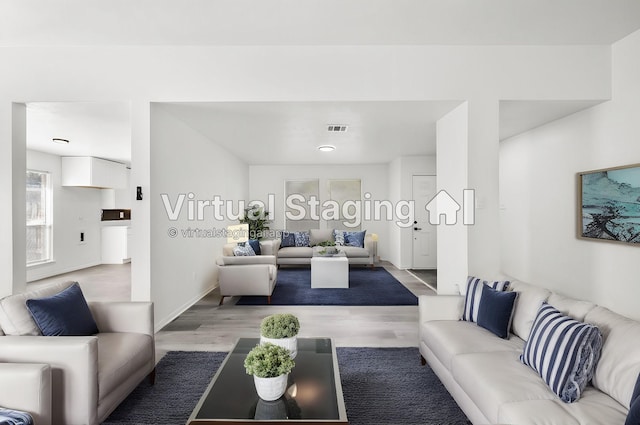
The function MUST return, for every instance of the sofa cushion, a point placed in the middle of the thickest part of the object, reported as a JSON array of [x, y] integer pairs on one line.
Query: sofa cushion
[[15, 318], [63, 314], [354, 238], [619, 363], [295, 252], [355, 252], [594, 407], [563, 351], [338, 237], [495, 310], [320, 235], [473, 295], [530, 298], [121, 355], [448, 338], [495, 378]]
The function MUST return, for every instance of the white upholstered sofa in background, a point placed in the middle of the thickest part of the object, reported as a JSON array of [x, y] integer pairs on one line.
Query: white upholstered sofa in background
[[90, 375], [485, 376]]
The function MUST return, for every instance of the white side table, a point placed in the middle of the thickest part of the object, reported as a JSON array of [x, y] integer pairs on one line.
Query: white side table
[[330, 272]]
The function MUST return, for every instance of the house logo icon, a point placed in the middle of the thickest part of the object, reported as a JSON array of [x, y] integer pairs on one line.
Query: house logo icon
[[443, 204]]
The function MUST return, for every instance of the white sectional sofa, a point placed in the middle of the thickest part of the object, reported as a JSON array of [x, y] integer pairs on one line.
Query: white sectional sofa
[[485, 376]]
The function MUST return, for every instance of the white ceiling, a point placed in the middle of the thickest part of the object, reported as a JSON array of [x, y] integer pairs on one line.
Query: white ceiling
[[316, 22], [290, 132], [96, 129], [379, 131]]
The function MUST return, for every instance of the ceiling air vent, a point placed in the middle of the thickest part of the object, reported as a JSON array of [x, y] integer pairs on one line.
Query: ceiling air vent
[[337, 128]]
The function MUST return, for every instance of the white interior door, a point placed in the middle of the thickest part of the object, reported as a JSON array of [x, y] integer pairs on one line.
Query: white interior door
[[424, 233]]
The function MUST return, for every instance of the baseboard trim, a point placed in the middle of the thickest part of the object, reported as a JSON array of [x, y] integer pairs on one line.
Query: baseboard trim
[[184, 307]]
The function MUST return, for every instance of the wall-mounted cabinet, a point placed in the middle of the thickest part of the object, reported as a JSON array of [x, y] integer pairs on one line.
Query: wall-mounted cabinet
[[87, 171]]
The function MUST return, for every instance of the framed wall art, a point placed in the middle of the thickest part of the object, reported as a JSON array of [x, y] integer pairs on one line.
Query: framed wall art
[[609, 204]]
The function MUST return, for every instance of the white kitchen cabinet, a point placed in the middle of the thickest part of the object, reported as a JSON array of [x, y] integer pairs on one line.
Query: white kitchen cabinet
[[87, 171], [115, 244]]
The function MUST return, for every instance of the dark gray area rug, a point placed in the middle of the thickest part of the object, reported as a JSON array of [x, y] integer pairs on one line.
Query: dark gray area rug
[[380, 386]]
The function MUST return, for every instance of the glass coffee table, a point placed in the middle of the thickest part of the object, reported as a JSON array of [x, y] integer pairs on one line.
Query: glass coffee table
[[313, 396]]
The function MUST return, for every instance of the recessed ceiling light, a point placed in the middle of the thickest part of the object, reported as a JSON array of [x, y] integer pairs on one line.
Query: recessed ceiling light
[[326, 148], [61, 141]]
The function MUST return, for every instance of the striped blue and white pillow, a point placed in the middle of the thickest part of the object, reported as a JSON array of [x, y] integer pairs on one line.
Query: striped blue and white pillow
[[474, 294], [14, 417], [563, 351]]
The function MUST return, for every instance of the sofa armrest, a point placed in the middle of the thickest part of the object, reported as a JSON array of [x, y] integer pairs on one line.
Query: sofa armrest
[[440, 307], [247, 260], [371, 246], [74, 371], [27, 387], [125, 316]]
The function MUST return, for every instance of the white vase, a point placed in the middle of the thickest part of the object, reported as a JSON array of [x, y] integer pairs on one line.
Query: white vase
[[290, 344], [271, 389]]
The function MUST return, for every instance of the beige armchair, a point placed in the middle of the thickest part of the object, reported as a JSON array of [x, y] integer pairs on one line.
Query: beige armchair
[[254, 275], [27, 387], [90, 375]]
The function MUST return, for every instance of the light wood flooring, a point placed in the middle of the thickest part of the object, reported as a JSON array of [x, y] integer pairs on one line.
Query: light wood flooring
[[206, 326]]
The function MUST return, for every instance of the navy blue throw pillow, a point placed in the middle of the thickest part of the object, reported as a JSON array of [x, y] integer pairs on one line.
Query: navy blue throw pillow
[[255, 244], [288, 239], [63, 314], [495, 311], [633, 417]]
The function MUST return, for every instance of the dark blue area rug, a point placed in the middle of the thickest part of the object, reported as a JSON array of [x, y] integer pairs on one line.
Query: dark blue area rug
[[367, 286], [381, 386]]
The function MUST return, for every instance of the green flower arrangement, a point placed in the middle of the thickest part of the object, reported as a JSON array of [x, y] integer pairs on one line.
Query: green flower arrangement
[[278, 326], [327, 243], [268, 361]]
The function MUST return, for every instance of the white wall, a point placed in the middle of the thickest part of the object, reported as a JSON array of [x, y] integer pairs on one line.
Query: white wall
[[267, 73], [400, 176], [539, 195], [453, 240], [270, 179], [75, 210], [182, 162]]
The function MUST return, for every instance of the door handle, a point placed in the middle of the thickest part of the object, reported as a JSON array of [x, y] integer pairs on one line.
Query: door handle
[[417, 228]]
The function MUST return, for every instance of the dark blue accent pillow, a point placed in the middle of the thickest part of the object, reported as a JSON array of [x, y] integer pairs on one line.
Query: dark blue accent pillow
[[633, 417], [255, 244], [287, 239], [354, 238], [63, 314], [495, 310]]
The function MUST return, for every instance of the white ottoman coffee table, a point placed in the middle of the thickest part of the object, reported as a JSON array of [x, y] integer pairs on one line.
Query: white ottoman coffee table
[[330, 272]]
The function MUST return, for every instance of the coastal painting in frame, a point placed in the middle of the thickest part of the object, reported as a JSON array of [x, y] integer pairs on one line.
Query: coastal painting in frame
[[610, 204]]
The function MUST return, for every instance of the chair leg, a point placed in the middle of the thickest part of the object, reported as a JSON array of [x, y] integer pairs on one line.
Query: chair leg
[[221, 299], [268, 299], [152, 376]]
